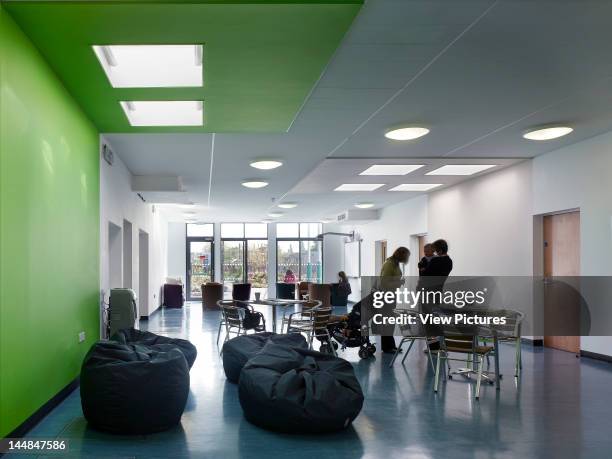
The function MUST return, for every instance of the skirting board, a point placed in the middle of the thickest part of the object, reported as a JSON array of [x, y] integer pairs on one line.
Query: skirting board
[[44, 410], [596, 356]]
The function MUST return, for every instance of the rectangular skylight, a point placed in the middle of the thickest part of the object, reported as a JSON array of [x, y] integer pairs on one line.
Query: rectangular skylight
[[415, 186], [391, 169], [164, 112], [152, 66], [359, 186], [461, 169]]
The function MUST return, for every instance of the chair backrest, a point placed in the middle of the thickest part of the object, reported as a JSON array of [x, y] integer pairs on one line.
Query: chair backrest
[[512, 327], [320, 317], [302, 287], [285, 291], [241, 292], [211, 293], [232, 314], [320, 292]]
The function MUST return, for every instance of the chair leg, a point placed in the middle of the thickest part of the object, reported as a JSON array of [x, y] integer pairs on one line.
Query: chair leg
[[518, 364], [433, 368], [408, 350], [437, 375], [397, 351], [219, 332], [479, 377]]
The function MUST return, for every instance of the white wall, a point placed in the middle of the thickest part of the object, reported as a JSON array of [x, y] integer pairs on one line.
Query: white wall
[[487, 223], [177, 250], [118, 202], [578, 176]]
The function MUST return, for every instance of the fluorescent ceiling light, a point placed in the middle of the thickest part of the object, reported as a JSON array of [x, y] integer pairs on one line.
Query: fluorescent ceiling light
[[391, 169], [406, 133], [275, 214], [266, 164], [152, 66], [359, 186], [415, 186], [461, 169], [164, 112], [288, 205], [548, 133], [364, 205], [254, 183]]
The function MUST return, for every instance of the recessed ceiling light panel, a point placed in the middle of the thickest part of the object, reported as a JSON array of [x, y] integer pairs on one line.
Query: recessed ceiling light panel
[[461, 169], [391, 169], [152, 66], [288, 205], [406, 133], [415, 186], [164, 112], [364, 205], [255, 183], [266, 164], [359, 186], [548, 133]]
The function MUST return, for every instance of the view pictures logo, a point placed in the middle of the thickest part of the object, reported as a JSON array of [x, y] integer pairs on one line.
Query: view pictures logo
[[411, 298]]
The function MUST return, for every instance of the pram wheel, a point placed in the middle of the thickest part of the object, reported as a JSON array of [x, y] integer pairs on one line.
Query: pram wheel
[[364, 353]]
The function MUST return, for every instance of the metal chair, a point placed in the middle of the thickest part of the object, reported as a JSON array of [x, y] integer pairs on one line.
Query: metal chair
[[509, 332], [411, 333], [233, 315], [464, 339], [312, 320]]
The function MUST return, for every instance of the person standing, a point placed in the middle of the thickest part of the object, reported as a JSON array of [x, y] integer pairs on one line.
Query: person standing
[[441, 265], [390, 279], [344, 286]]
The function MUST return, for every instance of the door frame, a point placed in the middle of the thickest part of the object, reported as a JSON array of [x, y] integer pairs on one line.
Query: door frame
[[539, 264], [188, 241]]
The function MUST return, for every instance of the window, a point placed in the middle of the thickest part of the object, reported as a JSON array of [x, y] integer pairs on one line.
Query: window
[[200, 230], [299, 250], [200, 253], [245, 255]]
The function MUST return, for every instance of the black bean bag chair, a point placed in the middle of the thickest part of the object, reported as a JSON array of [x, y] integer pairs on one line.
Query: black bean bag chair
[[237, 351], [133, 336], [294, 390], [133, 389]]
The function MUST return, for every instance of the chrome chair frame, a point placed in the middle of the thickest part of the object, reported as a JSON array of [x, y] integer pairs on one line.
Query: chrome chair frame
[[232, 316], [313, 322], [410, 334]]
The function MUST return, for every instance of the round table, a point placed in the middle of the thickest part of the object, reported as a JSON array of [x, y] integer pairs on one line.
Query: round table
[[273, 303]]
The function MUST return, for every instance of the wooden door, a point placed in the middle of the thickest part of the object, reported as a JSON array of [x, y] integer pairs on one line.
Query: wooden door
[[561, 258], [421, 247]]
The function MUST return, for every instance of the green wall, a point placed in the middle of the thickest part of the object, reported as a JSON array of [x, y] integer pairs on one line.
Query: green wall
[[49, 230]]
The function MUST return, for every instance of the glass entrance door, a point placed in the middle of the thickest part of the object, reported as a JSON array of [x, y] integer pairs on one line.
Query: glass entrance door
[[200, 267]]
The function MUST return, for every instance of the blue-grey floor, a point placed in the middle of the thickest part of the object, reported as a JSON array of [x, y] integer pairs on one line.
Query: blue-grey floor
[[561, 408]]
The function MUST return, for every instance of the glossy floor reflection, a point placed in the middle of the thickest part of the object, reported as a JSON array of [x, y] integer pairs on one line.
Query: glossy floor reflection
[[560, 409]]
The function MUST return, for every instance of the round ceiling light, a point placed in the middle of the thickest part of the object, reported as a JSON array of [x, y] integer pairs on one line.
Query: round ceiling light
[[266, 164], [275, 214], [267, 220], [547, 133], [288, 205], [364, 205], [406, 133], [255, 183]]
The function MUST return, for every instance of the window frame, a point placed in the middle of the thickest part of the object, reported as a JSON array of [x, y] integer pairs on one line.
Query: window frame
[[245, 248], [299, 240], [188, 240]]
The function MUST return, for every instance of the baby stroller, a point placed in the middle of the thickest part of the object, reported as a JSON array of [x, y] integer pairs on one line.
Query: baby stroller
[[348, 332]]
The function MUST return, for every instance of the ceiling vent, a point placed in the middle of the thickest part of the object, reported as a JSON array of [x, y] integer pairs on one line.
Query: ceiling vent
[[357, 216]]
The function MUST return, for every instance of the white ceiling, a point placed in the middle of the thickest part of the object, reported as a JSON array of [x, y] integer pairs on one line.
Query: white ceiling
[[478, 73]]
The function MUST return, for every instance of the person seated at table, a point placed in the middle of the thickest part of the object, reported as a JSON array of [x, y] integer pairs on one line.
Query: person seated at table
[[289, 277]]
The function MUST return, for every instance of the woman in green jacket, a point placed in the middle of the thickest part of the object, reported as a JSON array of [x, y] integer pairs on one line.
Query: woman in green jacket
[[390, 279]]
